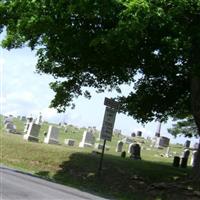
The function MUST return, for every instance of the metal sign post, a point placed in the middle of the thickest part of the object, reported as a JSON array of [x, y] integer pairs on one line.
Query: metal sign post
[[108, 125]]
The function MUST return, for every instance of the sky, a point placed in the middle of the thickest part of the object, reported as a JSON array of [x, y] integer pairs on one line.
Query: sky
[[24, 92]]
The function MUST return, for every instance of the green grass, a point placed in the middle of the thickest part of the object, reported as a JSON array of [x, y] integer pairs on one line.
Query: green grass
[[77, 167]]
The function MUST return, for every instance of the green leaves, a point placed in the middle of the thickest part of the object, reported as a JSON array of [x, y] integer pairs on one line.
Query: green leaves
[[106, 43]]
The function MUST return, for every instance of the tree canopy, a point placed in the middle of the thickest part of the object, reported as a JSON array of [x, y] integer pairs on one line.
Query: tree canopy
[[106, 43]]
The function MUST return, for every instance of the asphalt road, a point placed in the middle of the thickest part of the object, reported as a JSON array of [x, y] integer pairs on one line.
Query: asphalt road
[[15, 185]]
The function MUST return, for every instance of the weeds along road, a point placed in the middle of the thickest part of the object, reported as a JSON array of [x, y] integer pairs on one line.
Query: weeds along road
[[15, 185]]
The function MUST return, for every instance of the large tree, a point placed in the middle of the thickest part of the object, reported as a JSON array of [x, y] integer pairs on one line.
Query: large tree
[[105, 43]]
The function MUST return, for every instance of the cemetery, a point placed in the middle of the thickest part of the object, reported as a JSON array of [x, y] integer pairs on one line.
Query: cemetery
[[74, 161]]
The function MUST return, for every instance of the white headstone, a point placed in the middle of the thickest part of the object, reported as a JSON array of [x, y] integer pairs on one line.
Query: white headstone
[[130, 147], [88, 139], [33, 132], [29, 120], [193, 159], [52, 135], [119, 146]]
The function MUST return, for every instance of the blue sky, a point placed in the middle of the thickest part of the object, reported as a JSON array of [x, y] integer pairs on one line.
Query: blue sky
[[24, 92]]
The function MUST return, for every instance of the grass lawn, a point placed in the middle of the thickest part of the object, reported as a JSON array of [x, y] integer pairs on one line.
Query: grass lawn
[[125, 179]]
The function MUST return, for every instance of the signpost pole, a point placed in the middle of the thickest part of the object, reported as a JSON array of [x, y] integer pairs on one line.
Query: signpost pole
[[101, 159]]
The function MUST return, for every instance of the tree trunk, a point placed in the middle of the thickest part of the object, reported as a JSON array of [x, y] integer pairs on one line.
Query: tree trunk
[[195, 101]]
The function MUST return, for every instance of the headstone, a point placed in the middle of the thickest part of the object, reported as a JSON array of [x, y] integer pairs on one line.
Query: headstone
[[29, 120], [167, 154], [196, 145], [8, 120], [23, 118], [133, 134], [135, 152], [100, 146], [139, 133], [88, 139], [194, 158], [162, 142], [184, 158], [176, 161], [10, 127], [186, 153], [33, 132], [129, 147], [119, 146], [69, 142], [187, 144], [52, 135]]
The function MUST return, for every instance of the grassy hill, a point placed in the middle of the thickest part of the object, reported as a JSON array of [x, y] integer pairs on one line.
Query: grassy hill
[[153, 177]]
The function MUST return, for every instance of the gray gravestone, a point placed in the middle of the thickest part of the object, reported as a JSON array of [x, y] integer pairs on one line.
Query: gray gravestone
[[139, 133], [187, 144], [135, 151], [88, 139], [186, 153], [162, 142], [119, 146], [10, 127], [33, 132], [100, 146], [52, 135]]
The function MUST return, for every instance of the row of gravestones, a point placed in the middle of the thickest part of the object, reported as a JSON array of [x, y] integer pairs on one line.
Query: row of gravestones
[[134, 149], [32, 134], [183, 159]]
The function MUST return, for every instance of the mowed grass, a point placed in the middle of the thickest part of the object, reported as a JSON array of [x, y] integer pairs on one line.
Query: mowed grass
[[77, 167]]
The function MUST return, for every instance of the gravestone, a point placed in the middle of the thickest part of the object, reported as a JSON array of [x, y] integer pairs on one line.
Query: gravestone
[[167, 154], [194, 158], [135, 151], [8, 120], [23, 118], [162, 142], [69, 142], [196, 145], [100, 146], [187, 144], [29, 120], [119, 146], [176, 161], [10, 127], [33, 132], [184, 158], [133, 134], [186, 153], [139, 133], [52, 135], [88, 139]]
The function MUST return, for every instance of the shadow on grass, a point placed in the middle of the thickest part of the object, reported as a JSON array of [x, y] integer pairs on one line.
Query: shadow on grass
[[120, 178]]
